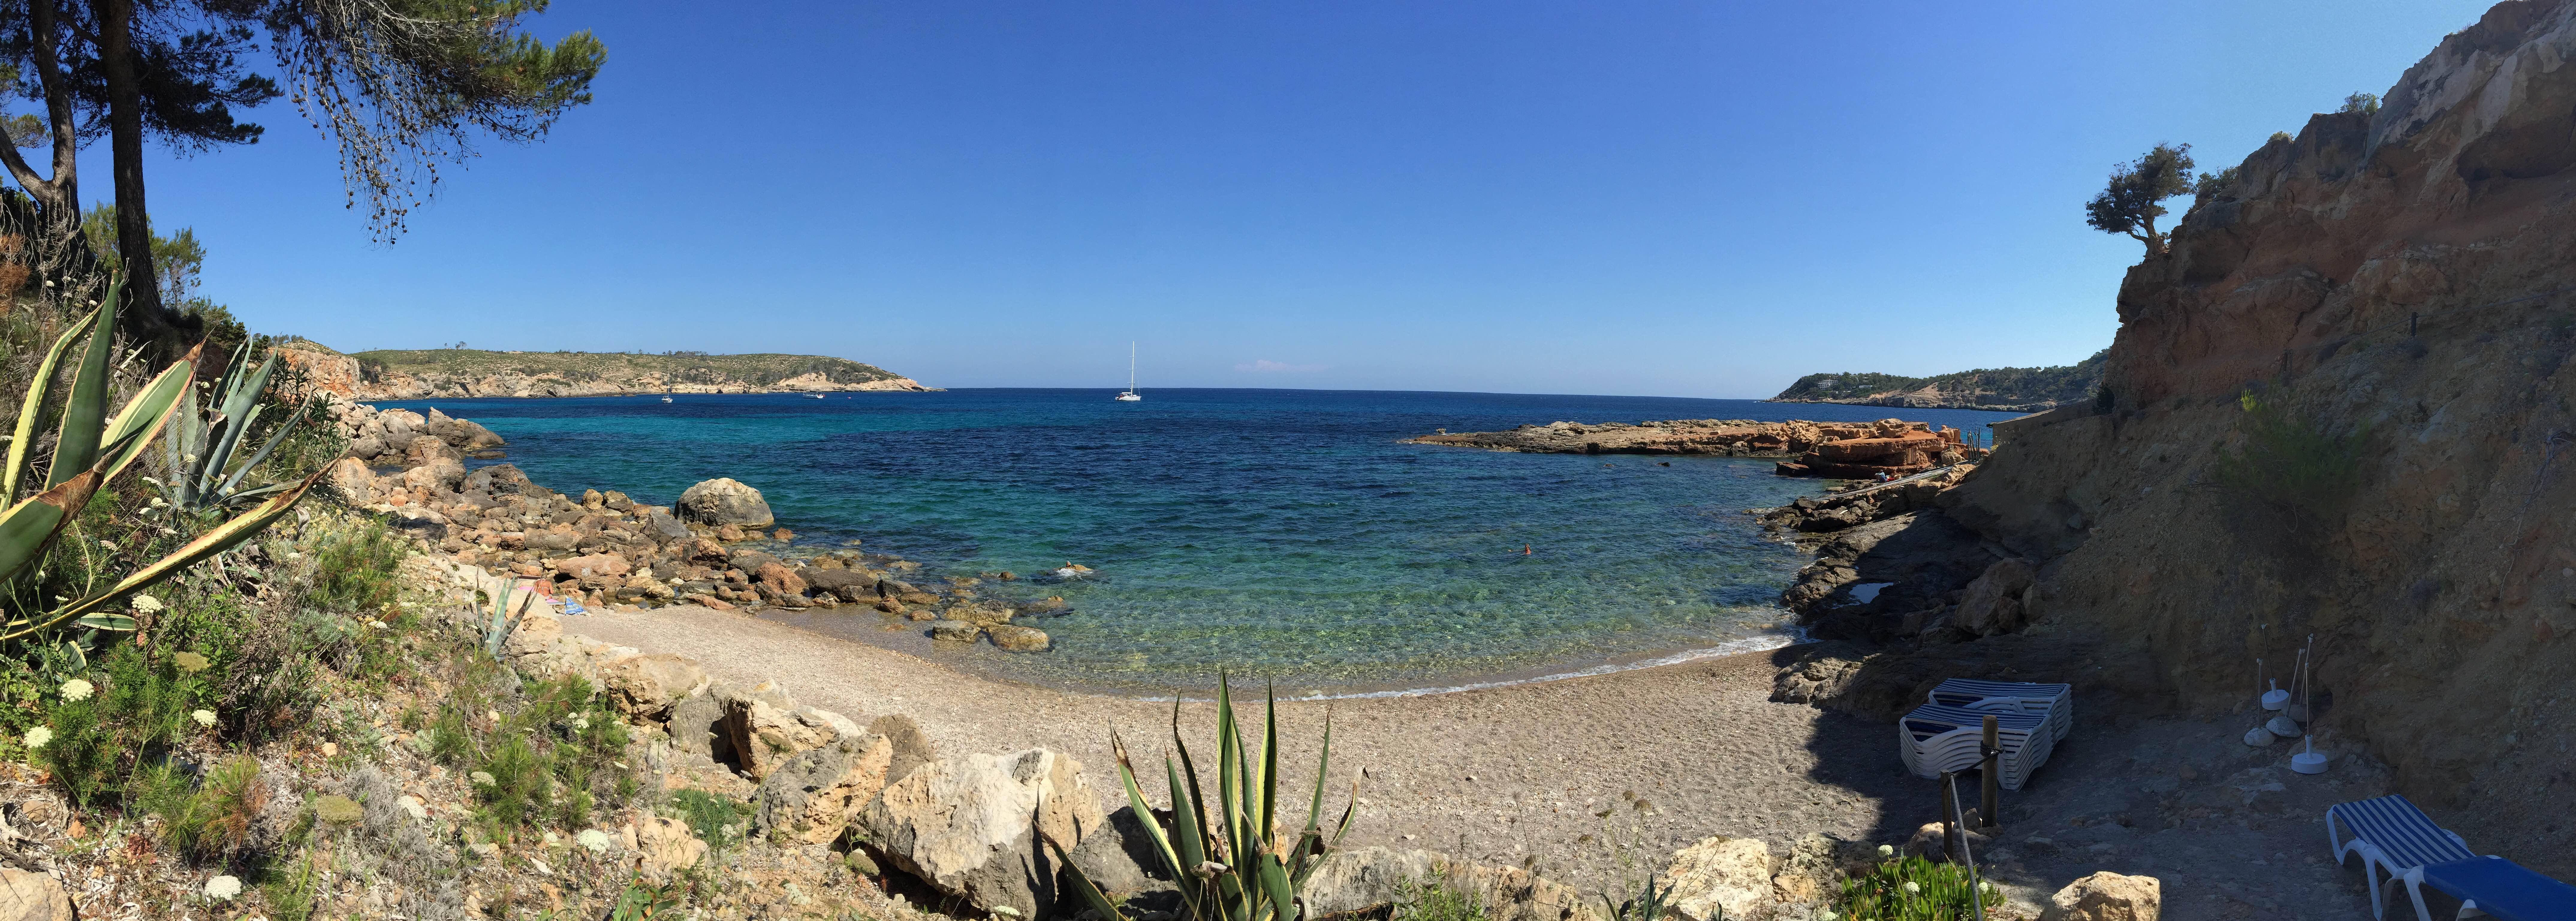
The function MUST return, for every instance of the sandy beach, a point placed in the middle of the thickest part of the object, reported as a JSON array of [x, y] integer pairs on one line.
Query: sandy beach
[[1515, 774], [1501, 775]]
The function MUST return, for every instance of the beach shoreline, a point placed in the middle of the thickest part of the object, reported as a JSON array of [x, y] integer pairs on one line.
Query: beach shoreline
[[1496, 775]]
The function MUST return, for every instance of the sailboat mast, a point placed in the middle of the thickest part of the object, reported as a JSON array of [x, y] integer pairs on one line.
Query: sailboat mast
[[1131, 367]]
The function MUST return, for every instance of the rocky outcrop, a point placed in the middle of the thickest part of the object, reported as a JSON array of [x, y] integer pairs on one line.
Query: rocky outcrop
[[813, 796], [1720, 878], [403, 438], [432, 373], [1847, 450], [2374, 312], [2107, 896], [971, 826], [28, 896], [723, 501], [1363, 881]]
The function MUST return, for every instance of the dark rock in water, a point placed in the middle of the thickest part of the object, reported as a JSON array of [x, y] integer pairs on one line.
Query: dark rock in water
[[847, 585], [954, 630], [750, 561], [1018, 639], [1052, 606]]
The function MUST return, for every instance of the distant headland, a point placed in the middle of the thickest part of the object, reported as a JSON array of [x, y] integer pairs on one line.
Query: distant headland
[[412, 374], [2025, 390]]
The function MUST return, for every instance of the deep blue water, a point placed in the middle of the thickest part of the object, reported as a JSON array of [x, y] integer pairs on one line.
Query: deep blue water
[[1281, 532]]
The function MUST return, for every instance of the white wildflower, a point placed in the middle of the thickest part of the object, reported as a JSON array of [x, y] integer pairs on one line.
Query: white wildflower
[[594, 839], [378, 624], [480, 778], [223, 888], [580, 723], [1006, 910], [203, 717], [167, 532], [109, 544], [77, 689], [1913, 888], [1887, 850], [190, 459], [49, 283], [146, 603], [37, 737], [292, 555]]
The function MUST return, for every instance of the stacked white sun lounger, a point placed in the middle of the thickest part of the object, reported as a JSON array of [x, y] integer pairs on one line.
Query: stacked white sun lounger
[[1936, 738], [2056, 700]]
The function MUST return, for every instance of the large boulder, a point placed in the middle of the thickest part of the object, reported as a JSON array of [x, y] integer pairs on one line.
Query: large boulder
[[645, 687], [498, 480], [435, 475], [1364, 879], [813, 796], [697, 726], [723, 501], [349, 481], [912, 749], [2107, 896], [26, 896], [1720, 877], [971, 826], [765, 727], [596, 567], [1992, 603], [1117, 857]]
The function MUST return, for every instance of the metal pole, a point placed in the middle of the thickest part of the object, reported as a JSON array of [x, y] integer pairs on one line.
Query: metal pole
[[1976, 899], [1994, 758]]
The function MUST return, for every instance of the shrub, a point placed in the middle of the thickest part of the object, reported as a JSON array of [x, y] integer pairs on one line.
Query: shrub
[[1438, 898], [513, 783], [2290, 460], [83, 752], [1912, 889], [218, 821], [356, 568], [715, 818]]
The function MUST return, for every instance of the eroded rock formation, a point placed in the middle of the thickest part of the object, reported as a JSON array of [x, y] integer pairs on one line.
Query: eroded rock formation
[[1846, 450], [2394, 291]]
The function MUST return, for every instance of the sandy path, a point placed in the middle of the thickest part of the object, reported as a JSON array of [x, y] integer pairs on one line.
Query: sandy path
[[1501, 775]]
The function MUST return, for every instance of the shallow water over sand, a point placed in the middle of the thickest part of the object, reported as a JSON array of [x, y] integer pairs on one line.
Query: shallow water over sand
[[1275, 532]]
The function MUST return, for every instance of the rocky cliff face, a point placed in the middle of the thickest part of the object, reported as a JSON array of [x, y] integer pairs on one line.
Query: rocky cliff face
[[2401, 288]]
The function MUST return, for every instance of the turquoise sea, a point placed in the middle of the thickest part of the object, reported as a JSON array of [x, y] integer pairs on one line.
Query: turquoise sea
[[1282, 533]]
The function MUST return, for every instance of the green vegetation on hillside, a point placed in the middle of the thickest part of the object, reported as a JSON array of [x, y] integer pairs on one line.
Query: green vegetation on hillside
[[2020, 388], [679, 367]]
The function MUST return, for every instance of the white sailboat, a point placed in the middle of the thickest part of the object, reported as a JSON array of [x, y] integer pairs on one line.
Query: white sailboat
[[1130, 395]]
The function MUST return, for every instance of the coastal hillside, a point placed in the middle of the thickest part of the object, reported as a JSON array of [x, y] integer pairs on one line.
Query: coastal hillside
[[406, 374], [2004, 389], [2337, 409]]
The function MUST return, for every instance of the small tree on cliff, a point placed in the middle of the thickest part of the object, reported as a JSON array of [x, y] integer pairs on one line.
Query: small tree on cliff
[[2130, 203]]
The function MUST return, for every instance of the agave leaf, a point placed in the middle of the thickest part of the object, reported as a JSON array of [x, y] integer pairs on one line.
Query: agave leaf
[[117, 623], [234, 481], [85, 411], [223, 537], [1315, 810], [1187, 838], [1091, 894], [27, 527], [39, 391], [240, 403], [1144, 810], [1198, 793], [144, 416], [1269, 828], [1274, 881]]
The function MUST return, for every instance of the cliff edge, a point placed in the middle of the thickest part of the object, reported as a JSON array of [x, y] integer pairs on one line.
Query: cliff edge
[[2337, 406]]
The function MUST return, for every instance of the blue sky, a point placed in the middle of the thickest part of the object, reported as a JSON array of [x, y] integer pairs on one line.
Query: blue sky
[[1683, 199]]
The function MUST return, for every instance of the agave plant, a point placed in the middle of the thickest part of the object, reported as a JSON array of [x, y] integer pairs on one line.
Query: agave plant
[[1235, 868], [90, 449], [202, 472]]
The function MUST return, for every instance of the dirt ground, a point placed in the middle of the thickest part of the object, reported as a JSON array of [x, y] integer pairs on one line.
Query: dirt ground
[[1514, 775]]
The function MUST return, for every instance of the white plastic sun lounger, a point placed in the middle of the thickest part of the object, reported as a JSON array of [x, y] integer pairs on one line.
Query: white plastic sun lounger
[[2056, 700], [1935, 738], [2391, 834]]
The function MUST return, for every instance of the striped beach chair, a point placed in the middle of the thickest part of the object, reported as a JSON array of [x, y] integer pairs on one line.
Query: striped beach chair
[[1936, 738], [2389, 832], [2056, 700], [2495, 887]]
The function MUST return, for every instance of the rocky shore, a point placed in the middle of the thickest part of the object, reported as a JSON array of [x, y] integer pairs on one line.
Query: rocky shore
[[717, 545], [1841, 450]]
